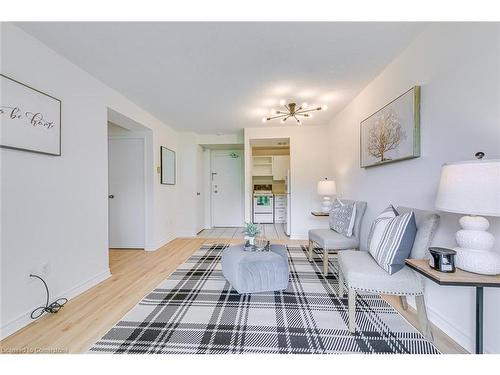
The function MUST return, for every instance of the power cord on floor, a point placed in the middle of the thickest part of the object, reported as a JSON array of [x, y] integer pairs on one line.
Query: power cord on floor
[[53, 308]]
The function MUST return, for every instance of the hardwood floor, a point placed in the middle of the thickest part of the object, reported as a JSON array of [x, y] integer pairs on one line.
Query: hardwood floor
[[86, 318], [135, 273]]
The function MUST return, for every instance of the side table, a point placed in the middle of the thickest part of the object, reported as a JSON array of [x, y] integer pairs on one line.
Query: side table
[[460, 278]]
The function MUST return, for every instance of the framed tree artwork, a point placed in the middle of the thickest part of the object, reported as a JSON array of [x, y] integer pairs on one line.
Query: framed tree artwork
[[30, 119], [167, 168], [393, 132]]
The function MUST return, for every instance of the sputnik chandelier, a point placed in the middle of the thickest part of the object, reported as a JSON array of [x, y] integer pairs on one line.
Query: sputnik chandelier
[[291, 110]]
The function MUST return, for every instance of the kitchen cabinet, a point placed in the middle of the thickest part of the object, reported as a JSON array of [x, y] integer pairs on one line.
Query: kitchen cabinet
[[280, 166], [262, 166], [280, 208], [275, 166]]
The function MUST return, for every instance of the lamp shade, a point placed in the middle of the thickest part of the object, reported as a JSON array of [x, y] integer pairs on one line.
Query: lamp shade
[[327, 187], [470, 187]]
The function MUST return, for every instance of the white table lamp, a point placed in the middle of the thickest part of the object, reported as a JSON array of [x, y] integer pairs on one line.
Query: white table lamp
[[326, 188], [472, 188]]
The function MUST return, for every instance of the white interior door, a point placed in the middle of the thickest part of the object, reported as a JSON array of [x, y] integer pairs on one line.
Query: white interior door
[[227, 189], [200, 196], [126, 193]]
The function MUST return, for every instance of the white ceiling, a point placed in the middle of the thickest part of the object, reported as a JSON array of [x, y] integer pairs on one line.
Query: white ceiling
[[222, 77]]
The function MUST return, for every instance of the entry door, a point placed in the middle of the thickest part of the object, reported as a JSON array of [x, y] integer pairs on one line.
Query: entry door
[[227, 194], [126, 193], [200, 198]]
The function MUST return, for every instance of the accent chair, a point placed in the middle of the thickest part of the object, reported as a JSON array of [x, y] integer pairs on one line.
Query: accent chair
[[331, 241], [361, 273]]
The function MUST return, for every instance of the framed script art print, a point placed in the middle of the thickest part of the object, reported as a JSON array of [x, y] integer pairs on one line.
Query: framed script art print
[[393, 132], [167, 169], [30, 119]]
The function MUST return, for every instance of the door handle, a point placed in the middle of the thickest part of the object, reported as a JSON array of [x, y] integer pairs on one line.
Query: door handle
[[111, 196]]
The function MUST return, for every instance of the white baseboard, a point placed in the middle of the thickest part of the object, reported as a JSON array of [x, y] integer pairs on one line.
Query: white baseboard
[[185, 234], [451, 330], [24, 319], [464, 339], [158, 244]]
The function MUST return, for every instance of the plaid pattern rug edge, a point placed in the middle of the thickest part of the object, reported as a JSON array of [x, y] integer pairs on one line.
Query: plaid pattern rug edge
[[195, 311]]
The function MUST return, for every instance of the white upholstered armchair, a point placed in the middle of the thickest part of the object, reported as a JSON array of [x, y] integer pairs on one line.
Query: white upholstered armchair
[[359, 272]]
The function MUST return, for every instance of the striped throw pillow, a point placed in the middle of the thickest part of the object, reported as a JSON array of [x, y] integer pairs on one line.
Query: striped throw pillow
[[391, 239]]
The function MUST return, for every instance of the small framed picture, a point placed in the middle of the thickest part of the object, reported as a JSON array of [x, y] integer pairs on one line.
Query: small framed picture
[[167, 168], [393, 132]]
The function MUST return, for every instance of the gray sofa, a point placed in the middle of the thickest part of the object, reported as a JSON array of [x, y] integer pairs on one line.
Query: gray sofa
[[331, 241], [361, 273]]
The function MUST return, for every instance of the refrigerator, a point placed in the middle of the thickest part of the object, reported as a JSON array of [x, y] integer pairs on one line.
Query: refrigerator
[[288, 204]]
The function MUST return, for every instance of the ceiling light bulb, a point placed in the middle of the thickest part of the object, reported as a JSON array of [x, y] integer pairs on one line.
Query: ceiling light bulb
[[282, 102], [324, 107], [298, 122], [304, 105], [283, 120], [264, 119]]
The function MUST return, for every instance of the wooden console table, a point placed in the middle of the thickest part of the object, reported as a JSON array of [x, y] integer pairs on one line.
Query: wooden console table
[[460, 278]]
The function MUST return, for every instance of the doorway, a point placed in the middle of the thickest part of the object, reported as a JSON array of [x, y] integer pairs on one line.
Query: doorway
[[227, 188], [270, 183], [130, 183], [126, 193]]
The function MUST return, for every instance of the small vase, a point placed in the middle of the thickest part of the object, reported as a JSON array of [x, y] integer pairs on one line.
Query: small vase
[[250, 239]]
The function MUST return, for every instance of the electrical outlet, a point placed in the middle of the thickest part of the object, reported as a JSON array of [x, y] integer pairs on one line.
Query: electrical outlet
[[42, 270], [45, 269]]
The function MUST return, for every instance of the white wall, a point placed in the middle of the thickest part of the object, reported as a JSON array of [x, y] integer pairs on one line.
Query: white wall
[[220, 139], [457, 66], [309, 163], [54, 209]]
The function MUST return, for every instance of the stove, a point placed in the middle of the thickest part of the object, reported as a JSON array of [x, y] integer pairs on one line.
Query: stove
[[263, 204]]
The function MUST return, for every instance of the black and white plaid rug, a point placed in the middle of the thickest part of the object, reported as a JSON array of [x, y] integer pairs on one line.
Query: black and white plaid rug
[[196, 311]]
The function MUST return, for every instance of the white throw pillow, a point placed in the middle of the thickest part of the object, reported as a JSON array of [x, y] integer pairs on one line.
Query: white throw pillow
[[342, 217], [353, 220]]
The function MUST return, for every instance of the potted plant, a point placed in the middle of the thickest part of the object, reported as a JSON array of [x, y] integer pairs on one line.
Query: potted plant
[[251, 231]]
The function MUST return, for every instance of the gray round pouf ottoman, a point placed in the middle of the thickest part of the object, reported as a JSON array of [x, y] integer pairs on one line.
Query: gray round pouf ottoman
[[256, 271]]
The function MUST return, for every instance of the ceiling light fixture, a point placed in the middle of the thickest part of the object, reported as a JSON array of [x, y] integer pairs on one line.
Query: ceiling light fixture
[[291, 110]]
